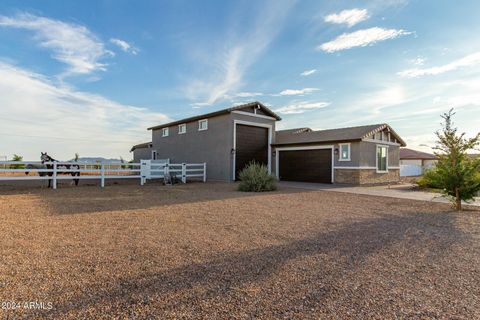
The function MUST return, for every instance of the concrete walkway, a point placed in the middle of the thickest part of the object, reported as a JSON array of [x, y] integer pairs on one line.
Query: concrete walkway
[[403, 191]]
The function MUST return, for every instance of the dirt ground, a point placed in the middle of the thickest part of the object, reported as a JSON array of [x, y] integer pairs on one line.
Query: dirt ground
[[208, 251]]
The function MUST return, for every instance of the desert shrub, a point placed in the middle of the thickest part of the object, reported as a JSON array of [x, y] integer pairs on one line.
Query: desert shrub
[[429, 180], [256, 178]]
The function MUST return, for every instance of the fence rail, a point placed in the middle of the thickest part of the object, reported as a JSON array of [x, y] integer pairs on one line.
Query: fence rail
[[145, 170]]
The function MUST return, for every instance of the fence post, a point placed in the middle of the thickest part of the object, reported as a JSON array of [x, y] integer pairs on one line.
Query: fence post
[[184, 172], [204, 172], [166, 170], [102, 173], [54, 175]]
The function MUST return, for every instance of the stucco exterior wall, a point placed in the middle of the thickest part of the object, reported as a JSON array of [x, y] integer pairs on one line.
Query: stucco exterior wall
[[368, 154], [213, 146], [142, 154]]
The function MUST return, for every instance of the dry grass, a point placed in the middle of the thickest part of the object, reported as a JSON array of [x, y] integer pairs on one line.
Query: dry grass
[[208, 251]]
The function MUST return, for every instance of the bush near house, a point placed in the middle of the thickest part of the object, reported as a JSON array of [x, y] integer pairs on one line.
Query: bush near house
[[256, 178]]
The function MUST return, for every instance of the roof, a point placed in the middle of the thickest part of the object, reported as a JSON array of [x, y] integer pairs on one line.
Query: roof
[[141, 145], [218, 113], [294, 131], [331, 135], [406, 153]]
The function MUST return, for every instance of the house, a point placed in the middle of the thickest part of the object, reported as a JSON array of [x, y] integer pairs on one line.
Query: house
[[142, 151], [227, 140], [414, 163]]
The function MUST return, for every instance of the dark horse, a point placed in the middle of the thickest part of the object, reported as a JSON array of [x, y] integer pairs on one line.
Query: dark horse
[[46, 158]]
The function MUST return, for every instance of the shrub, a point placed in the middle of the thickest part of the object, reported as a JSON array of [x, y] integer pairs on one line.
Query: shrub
[[256, 178], [429, 180], [16, 157]]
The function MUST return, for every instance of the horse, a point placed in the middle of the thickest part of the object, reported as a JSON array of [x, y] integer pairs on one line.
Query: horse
[[46, 158]]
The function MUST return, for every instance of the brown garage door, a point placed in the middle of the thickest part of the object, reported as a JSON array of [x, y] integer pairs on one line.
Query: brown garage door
[[251, 145], [306, 165]]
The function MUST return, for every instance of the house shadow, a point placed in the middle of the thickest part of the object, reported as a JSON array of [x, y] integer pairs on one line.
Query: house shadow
[[123, 196], [218, 279]]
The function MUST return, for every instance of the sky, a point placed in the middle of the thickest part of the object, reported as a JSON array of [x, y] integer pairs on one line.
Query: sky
[[89, 77]]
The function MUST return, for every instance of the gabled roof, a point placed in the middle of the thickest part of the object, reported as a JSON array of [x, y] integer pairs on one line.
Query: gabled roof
[[406, 153], [266, 110], [141, 145], [331, 135]]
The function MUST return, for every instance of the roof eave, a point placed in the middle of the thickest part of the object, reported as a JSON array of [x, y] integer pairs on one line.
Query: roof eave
[[315, 142]]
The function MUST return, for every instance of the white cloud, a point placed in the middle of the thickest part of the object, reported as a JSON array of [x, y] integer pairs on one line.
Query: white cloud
[[295, 92], [220, 70], [301, 107], [307, 73], [38, 115], [248, 94], [468, 61], [124, 45], [348, 17], [72, 44], [361, 38], [418, 61]]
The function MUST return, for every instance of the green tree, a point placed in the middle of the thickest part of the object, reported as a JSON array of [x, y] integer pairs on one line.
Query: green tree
[[16, 157], [455, 172]]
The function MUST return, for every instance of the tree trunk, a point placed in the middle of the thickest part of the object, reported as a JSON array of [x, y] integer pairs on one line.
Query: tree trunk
[[458, 200]]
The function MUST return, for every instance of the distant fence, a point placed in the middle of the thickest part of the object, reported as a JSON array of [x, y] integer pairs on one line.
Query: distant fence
[[146, 170], [410, 170]]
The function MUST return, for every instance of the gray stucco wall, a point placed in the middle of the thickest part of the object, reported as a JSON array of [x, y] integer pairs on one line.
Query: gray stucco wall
[[212, 146], [142, 154], [369, 153]]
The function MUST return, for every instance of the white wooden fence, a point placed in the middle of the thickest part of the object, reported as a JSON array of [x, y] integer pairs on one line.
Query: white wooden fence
[[152, 169], [146, 170]]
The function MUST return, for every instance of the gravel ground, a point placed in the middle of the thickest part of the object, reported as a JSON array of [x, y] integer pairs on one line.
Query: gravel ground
[[208, 251]]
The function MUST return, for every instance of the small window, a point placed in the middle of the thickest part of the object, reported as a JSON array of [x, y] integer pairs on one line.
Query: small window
[[382, 159], [344, 152], [203, 124], [165, 132], [182, 128]]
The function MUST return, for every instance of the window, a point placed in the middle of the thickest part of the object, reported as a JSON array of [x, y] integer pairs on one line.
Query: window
[[182, 128], [344, 152], [382, 159], [165, 132], [202, 124]]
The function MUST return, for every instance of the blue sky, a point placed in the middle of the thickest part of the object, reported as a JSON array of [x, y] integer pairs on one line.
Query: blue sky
[[91, 76]]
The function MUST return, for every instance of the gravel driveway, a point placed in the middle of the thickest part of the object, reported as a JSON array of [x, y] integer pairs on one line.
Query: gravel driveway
[[208, 251]]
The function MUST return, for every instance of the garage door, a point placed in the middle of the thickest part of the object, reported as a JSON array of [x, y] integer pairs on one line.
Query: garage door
[[306, 165], [251, 145]]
